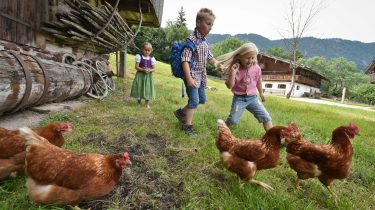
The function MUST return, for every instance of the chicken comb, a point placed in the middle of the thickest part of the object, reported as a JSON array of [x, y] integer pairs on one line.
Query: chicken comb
[[126, 155], [354, 127], [66, 127]]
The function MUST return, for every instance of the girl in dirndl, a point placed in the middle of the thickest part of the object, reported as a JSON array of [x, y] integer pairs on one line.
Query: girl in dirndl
[[143, 84]]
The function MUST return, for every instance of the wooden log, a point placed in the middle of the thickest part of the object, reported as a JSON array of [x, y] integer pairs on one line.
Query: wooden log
[[27, 81]]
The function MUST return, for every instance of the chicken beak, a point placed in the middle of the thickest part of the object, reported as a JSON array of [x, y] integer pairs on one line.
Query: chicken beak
[[128, 162]]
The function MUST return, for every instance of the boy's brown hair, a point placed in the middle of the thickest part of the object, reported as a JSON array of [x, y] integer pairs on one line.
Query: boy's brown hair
[[203, 13]]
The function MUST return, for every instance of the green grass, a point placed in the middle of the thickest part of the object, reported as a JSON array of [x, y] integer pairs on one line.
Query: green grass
[[206, 183]]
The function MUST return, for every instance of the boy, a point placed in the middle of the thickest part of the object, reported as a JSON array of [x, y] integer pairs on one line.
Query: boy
[[196, 79]]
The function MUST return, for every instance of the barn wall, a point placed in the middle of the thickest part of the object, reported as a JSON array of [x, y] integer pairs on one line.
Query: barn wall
[[20, 21]]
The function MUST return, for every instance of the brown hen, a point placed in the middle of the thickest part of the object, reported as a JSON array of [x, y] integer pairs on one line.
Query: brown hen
[[326, 162], [60, 176], [245, 157], [12, 146]]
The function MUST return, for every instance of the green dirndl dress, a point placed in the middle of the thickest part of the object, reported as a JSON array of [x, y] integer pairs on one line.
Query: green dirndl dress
[[143, 86]]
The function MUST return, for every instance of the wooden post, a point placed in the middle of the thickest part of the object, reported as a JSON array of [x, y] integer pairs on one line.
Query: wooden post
[[343, 95], [122, 70], [117, 64]]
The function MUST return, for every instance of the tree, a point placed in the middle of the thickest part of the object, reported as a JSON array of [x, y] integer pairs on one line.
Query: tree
[[364, 93], [176, 31], [344, 71], [181, 20], [220, 48], [278, 52], [156, 36], [229, 44], [162, 38], [340, 72], [299, 20]]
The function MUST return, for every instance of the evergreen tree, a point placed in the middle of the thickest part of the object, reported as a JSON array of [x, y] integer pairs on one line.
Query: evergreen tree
[[181, 20]]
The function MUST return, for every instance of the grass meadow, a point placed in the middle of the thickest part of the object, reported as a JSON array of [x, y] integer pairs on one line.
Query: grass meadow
[[188, 172]]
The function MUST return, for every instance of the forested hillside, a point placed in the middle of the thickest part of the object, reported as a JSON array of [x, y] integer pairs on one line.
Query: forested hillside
[[358, 52]]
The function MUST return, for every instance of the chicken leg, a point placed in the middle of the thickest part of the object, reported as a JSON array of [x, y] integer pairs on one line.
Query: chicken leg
[[266, 186], [296, 184]]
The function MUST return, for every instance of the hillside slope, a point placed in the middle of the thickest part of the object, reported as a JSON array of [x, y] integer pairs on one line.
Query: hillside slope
[[360, 53]]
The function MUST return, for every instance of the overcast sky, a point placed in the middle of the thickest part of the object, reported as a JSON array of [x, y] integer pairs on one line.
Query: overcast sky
[[346, 19]]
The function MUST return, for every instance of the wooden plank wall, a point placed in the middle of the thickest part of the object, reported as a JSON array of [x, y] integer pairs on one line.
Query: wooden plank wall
[[20, 20]]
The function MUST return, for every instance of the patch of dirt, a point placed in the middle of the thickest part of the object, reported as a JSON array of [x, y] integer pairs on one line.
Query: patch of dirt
[[148, 183]]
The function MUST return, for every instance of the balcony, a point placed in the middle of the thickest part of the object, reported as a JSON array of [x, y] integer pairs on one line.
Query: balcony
[[288, 78], [307, 81], [277, 77]]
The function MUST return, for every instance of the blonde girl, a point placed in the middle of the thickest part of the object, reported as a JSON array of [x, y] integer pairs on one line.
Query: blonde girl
[[243, 77]]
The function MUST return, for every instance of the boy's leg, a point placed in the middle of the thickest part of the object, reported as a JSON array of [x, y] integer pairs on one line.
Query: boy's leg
[[193, 101], [189, 113], [237, 108], [197, 97]]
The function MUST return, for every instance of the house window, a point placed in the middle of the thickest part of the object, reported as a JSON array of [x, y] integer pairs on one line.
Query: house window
[[281, 86], [297, 88], [268, 85]]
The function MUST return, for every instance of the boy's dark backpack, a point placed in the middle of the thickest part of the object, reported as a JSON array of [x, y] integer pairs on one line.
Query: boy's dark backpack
[[175, 59]]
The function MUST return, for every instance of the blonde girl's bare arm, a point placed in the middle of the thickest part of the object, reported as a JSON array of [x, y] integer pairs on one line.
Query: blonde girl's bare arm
[[260, 90], [231, 75]]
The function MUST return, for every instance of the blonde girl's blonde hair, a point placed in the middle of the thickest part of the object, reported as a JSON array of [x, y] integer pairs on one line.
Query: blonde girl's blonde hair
[[231, 58], [203, 13]]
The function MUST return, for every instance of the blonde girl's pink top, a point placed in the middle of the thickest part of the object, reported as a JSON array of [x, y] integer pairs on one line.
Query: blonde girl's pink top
[[245, 83]]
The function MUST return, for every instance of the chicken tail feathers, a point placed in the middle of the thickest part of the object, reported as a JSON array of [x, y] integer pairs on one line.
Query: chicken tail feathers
[[220, 122], [224, 138], [222, 126], [30, 136]]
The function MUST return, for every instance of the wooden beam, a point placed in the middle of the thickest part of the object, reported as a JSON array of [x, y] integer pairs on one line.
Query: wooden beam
[[122, 70]]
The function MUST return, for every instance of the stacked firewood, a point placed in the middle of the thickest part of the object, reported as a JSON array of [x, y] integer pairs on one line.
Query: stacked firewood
[[79, 23]]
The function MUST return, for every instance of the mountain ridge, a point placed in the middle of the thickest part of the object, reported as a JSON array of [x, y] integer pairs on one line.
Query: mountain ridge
[[360, 53]]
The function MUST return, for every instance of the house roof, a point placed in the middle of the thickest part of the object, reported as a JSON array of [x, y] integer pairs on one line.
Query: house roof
[[302, 66], [371, 67]]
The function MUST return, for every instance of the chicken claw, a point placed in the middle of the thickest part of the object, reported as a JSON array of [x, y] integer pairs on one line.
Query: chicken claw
[[296, 184], [266, 186]]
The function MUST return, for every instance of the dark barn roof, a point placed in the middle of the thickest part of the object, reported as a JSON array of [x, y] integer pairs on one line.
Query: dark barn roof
[[152, 11], [81, 23]]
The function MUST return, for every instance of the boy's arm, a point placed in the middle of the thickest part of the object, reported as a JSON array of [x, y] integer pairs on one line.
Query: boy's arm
[[190, 81]]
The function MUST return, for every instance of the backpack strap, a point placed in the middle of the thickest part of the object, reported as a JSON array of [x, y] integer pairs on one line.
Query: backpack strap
[[190, 44]]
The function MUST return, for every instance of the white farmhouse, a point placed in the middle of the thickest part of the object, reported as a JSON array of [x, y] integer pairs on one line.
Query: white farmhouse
[[277, 77]]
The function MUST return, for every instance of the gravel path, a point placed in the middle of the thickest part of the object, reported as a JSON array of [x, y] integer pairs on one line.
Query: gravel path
[[317, 101]]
